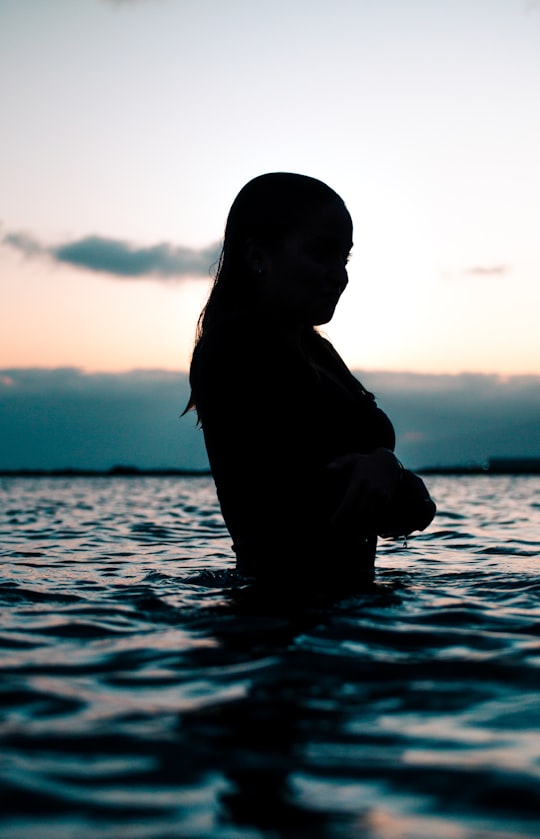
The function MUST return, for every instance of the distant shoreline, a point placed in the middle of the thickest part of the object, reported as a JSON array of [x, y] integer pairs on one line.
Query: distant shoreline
[[494, 466], [502, 466], [114, 472], [474, 470]]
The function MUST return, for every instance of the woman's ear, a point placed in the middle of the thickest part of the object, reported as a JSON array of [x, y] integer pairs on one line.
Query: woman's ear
[[256, 256]]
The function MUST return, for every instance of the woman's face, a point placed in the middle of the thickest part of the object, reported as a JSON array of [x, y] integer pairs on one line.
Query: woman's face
[[304, 276]]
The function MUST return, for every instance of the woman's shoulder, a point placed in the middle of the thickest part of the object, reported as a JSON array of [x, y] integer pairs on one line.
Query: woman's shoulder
[[239, 354], [244, 342], [325, 355]]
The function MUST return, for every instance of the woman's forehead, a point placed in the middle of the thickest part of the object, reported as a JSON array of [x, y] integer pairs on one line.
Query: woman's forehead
[[328, 221]]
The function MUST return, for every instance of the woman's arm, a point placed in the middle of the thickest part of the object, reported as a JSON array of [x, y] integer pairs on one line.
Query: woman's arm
[[379, 496]]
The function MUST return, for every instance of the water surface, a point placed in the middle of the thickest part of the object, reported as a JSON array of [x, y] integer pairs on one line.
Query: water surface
[[140, 698]]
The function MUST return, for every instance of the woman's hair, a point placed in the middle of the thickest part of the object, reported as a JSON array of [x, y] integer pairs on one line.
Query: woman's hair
[[265, 210]]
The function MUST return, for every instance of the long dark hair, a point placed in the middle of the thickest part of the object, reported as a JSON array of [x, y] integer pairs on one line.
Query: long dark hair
[[265, 210]]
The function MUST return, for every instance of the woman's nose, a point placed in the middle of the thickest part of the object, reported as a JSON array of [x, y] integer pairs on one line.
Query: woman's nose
[[337, 276]]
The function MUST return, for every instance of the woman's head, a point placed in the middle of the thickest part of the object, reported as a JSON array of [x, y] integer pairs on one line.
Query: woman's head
[[280, 225]]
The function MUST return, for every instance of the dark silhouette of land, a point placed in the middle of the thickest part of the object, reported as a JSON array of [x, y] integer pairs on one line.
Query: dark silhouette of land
[[114, 471], [494, 466]]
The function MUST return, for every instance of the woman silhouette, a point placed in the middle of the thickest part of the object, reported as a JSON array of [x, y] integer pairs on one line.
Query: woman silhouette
[[301, 455]]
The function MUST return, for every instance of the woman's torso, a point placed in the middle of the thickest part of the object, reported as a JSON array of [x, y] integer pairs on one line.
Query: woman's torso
[[275, 410]]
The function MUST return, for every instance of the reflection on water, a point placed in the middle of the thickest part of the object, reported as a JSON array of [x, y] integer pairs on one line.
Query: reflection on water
[[142, 696]]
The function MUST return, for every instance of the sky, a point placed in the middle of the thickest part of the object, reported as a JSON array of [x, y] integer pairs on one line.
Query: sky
[[128, 126]]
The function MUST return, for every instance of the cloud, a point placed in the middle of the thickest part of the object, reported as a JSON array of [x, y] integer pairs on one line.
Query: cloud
[[25, 244], [56, 418], [487, 270], [120, 258]]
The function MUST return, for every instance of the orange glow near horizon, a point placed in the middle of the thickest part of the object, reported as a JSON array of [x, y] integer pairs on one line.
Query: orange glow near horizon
[[100, 324]]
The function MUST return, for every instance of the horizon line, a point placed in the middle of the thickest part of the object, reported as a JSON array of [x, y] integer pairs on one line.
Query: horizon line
[[90, 371], [494, 466]]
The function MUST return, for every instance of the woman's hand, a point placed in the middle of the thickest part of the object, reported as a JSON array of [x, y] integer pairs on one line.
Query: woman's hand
[[379, 497], [411, 508], [370, 482]]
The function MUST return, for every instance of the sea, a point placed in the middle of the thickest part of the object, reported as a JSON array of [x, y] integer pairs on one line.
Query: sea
[[143, 695]]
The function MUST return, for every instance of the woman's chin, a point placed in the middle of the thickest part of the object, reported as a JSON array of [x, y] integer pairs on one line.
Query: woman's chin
[[323, 315]]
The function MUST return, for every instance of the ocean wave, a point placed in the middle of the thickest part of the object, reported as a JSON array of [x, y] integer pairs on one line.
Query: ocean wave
[[145, 695]]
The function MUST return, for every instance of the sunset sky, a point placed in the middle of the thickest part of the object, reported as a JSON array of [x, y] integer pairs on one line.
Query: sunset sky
[[128, 126], [136, 123]]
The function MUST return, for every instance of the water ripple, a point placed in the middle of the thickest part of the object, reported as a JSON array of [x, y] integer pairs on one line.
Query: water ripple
[[144, 695]]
